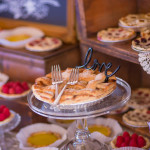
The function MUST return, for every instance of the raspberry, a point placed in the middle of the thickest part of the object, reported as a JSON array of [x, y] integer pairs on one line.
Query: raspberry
[[1, 108], [134, 136], [6, 112], [125, 134], [124, 144], [19, 90], [11, 91], [133, 143], [141, 141], [2, 117], [127, 140], [5, 89], [25, 85]]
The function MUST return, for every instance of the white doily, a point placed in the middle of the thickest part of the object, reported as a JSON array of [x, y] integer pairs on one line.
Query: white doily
[[144, 59]]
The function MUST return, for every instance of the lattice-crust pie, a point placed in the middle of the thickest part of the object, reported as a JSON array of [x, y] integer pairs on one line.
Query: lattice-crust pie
[[138, 117], [90, 86], [137, 20], [115, 34]]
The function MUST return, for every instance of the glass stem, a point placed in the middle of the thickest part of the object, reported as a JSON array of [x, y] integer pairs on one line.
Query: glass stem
[[81, 135], [2, 139]]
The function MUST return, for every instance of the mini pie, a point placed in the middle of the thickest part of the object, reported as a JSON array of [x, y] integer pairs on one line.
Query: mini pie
[[120, 110], [137, 20], [43, 138], [138, 117], [141, 44], [44, 44], [113, 143], [100, 128], [7, 119], [140, 98], [90, 86], [115, 34], [145, 32]]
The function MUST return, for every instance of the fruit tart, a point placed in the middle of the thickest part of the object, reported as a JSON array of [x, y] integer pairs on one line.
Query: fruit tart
[[137, 117], [127, 140], [91, 86], [5, 115], [115, 34], [14, 89], [44, 44], [141, 44]]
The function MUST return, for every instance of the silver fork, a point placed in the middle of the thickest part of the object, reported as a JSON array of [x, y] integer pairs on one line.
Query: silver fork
[[73, 79], [56, 77]]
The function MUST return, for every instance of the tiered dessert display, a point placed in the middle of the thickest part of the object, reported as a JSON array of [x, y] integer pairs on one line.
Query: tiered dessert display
[[8, 121], [92, 94]]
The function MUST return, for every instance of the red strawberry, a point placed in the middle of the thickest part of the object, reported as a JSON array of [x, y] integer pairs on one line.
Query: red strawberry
[[19, 90], [127, 140], [5, 89], [11, 91], [148, 112], [1, 108], [120, 140], [125, 134], [133, 143], [2, 117], [124, 144], [118, 144], [141, 141], [6, 112], [134, 136], [25, 85]]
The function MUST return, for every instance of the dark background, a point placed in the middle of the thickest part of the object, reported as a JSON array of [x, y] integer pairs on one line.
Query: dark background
[[56, 15]]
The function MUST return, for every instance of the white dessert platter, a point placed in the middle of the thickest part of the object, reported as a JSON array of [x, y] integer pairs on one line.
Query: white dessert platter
[[105, 105], [32, 32]]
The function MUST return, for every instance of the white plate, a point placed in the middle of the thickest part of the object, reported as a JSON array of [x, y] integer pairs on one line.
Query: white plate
[[33, 32], [47, 148], [111, 123], [140, 51], [25, 132]]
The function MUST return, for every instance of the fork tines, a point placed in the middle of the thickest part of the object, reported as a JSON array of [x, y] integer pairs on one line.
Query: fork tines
[[74, 75], [56, 74]]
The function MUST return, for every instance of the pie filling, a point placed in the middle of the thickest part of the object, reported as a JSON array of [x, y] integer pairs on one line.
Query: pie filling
[[40, 139]]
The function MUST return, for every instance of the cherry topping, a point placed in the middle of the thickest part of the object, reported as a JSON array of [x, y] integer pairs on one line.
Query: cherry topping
[[143, 40]]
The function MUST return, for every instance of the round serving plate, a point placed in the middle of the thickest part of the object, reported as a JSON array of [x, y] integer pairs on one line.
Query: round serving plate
[[135, 28], [115, 100], [140, 51], [104, 41]]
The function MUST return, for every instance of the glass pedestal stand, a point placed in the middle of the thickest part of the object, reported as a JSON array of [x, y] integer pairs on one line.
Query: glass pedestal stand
[[81, 112], [6, 128]]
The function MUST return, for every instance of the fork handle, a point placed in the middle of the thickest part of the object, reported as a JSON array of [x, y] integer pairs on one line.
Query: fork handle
[[56, 90], [59, 96]]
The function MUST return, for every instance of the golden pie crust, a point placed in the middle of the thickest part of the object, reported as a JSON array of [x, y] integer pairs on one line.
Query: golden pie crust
[[113, 143], [115, 34], [7, 119], [37, 139], [137, 117], [90, 86], [136, 20], [12, 96]]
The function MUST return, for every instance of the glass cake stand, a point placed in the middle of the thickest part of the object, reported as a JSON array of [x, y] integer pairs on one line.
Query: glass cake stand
[[81, 112], [8, 127]]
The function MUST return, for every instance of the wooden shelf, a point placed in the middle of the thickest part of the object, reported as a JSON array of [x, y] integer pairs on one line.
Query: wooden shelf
[[121, 50]]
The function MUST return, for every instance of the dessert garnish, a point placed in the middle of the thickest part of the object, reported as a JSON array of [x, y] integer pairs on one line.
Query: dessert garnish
[[42, 138], [127, 140], [15, 87]]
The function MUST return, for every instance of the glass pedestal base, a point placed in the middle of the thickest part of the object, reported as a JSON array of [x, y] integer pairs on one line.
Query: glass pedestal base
[[90, 144]]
